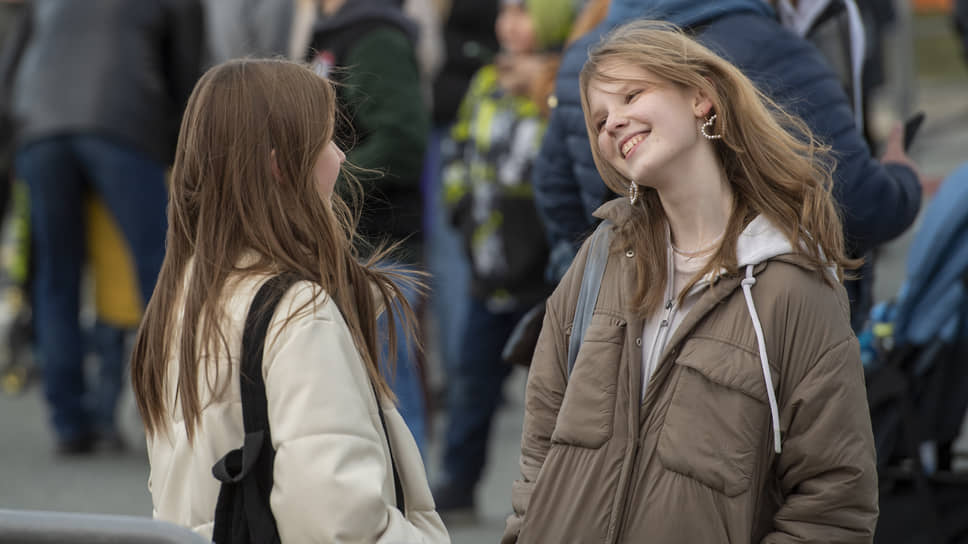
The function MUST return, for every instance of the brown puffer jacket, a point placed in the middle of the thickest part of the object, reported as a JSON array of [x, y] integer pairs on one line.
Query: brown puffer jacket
[[695, 461]]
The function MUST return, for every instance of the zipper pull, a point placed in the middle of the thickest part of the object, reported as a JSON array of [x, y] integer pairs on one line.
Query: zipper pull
[[669, 305]]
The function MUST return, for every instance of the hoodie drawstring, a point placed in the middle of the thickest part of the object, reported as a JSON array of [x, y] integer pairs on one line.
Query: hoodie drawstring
[[771, 395]]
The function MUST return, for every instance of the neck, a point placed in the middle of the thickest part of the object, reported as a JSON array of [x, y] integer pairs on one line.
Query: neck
[[697, 204]]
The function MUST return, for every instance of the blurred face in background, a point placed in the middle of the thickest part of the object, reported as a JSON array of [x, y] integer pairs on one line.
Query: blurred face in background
[[514, 29]]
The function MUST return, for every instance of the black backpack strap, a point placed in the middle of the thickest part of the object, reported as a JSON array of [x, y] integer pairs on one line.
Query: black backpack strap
[[397, 485], [242, 513]]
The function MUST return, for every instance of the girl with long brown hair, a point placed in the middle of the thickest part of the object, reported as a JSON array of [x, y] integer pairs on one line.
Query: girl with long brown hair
[[252, 198], [717, 394]]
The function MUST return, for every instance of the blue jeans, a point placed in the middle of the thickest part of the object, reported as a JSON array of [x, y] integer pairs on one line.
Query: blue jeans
[[446, 260], [132, 185], [474, 392], [406, 382], [110, 343]]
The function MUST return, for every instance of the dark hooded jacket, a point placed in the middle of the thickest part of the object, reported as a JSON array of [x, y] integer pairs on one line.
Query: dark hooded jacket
[[879, 200], [371, 42]]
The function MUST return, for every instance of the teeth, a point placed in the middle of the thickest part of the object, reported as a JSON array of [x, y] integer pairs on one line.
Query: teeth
[[631, 143]]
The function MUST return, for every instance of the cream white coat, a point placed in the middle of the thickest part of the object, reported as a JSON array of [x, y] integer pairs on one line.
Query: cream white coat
[[333, 480]]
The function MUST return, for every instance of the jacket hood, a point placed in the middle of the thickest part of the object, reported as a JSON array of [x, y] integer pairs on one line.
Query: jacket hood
[[681, 12], [354, 12]]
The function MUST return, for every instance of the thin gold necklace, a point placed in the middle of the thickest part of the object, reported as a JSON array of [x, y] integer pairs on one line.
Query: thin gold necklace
[[698, 252]]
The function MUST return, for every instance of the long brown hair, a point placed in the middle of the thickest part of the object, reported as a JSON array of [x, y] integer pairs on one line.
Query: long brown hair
[[774, 165], [230, 198]]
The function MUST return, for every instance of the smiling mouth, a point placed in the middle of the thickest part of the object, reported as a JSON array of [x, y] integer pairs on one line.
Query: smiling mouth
[[630, 144]]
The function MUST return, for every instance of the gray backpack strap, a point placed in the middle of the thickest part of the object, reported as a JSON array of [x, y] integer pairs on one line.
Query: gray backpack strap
[[591, 281]]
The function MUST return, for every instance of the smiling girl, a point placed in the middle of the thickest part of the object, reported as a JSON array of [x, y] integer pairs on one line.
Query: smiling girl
[[718, 394]]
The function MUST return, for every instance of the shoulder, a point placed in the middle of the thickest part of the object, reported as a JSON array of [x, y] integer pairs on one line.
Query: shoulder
[[803, 315], [484, 81], [794, 288], [565, 296], [764, 49], [303, 303], [381, 41]]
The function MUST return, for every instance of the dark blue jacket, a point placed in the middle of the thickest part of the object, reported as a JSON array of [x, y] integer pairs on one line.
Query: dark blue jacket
[[879, 201]]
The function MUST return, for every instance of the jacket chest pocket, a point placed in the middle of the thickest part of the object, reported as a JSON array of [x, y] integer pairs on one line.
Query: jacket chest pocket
[[587, 410], [718, 416]]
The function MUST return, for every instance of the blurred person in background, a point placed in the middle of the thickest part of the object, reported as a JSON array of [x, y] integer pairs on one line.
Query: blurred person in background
[[468, 43], [16, 327], [880, 198], [487, 185], [97, 100], [369, 48], [241, 28]]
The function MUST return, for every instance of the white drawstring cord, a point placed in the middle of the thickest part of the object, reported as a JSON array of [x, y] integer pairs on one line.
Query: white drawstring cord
[[747, 286]]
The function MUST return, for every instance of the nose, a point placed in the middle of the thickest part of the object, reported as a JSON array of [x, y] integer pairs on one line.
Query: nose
[[615, 120], [339, 153]]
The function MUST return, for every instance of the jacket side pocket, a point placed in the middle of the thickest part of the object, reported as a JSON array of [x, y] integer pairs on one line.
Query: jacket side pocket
[[588, 406]]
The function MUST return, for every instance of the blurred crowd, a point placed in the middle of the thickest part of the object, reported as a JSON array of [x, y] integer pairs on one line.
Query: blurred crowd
[[462, 121]]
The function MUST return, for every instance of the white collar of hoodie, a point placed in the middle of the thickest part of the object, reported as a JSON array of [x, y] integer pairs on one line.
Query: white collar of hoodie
[[760, 241]]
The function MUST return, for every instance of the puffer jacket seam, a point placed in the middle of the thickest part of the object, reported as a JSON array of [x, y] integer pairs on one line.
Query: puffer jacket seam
[[728, 342]]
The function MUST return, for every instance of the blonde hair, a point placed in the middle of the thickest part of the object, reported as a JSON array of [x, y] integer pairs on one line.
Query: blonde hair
[[773, 163], [230, 198]]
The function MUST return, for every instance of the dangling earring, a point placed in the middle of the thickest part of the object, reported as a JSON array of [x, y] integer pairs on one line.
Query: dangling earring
[[633, 193], [707, 126]]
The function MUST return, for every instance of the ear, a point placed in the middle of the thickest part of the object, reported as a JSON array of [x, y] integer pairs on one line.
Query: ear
[[275, 166], [701, 104]]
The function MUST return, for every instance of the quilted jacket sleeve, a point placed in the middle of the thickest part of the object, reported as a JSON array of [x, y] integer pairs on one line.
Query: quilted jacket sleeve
[[827, 469], [546, 387], [567, 187]]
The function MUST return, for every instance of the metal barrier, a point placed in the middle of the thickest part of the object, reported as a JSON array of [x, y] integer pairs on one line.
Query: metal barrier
[[42, 527]]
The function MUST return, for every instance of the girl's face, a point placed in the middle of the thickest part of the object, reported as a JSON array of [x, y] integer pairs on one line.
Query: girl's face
[[327, 169], [514, 29], [645, 125]]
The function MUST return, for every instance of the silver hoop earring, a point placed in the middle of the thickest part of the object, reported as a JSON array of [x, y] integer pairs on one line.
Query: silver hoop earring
[[633, 193], [707, 127]]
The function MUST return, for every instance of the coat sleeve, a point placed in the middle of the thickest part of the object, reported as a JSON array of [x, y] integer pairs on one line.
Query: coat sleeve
[[827, 469], [383, 89], [547, 380], [330, 468], [557, 196], [879, 201], [567, 186], [546, 388]]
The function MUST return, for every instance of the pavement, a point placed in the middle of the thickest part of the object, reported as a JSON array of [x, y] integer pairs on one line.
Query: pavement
[[31, 477]]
